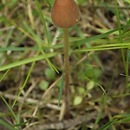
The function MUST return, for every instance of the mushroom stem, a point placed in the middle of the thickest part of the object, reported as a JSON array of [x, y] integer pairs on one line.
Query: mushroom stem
[[66, 72]]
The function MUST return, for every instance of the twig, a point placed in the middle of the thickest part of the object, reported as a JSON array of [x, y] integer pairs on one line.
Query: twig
[[65, 124]]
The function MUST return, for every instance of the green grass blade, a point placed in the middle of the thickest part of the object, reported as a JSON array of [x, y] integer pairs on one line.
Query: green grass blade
[[12, 48], [6, 125], [123, 51], [104, 47], [39, 42], [9, 36], [93, 38], [50, 2], [107, 125], [43, 20], [10, 109], [25, 82], [26, 61], [3, 76]]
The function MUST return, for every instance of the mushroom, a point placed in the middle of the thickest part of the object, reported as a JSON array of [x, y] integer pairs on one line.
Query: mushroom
[[65, 13]]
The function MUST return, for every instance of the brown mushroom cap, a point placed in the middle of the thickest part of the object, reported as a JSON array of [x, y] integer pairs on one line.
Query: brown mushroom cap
[[65, 13]]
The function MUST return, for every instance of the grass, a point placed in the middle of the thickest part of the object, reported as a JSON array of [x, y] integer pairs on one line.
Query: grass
[[29, 46]]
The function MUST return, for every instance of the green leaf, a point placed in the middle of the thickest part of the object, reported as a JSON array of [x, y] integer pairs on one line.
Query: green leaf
[[77, 100], [50, 74], [90, 85], [43, 85]]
